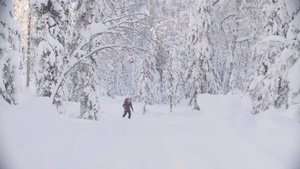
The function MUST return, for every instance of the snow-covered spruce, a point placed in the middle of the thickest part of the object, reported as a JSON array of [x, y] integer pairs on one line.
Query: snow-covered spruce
[[50, 35], [9, 53]]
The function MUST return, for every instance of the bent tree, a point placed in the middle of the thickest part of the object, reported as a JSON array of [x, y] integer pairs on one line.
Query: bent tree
[[96, 42]]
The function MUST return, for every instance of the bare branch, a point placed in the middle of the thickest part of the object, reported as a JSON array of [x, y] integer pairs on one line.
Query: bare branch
[[215, 3]]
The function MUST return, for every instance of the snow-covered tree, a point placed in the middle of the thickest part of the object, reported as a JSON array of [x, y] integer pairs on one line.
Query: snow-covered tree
[[269, 86], [9, 53], [50, 36], [99, 42], [170, 21], [84, 83], [148, 77], [89, 97], [239, 23], [201, 76], [177, 44], [21, 15], [157, 24], [291, 56], [174, 78]]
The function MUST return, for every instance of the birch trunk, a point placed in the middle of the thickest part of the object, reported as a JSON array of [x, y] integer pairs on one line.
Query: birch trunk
[[231, 57]]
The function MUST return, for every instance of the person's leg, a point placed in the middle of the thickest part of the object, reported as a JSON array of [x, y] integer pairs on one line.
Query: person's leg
[[129, 114], [124, 113]]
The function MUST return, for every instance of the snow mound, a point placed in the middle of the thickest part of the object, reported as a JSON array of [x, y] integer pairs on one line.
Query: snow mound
[[231, 105], [236, 108]]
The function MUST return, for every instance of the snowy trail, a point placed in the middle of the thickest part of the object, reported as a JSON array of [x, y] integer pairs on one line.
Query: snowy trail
[[36, 137]]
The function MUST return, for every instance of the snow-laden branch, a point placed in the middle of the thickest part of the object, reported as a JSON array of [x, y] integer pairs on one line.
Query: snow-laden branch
[[96, 35], [242, 39], [138, 31], [74, 62], [215, 3], [232, 15], [130, 5], [273, 38], [119, 28], [115, 29], [125, 16]]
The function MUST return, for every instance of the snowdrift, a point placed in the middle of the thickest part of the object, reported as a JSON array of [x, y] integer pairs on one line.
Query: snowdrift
[[237, 109], [222, 135], [231, 105]]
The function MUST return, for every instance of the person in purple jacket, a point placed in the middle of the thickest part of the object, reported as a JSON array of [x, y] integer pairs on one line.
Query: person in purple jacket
[[127, 105]]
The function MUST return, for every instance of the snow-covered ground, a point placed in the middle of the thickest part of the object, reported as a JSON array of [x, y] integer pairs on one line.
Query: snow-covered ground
[[223, 135]]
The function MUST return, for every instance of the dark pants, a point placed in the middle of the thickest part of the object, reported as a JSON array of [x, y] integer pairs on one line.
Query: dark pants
[[125, 112]]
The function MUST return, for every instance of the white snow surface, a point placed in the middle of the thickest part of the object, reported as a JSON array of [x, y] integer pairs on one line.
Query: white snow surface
[[223, 135]]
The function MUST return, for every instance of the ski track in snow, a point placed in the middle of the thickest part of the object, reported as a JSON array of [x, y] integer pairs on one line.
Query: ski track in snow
[[35, 137]]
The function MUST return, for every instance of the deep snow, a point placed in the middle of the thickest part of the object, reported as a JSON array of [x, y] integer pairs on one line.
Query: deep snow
[[223, 135]]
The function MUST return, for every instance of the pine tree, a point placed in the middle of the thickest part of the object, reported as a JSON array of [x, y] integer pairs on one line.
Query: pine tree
[[21, 15], [148, 77], [9, 53], [201, 76], [269, 87], [181, 16], [50, 36], [174, 79], [289, 86], [170, 22], [158, 12]]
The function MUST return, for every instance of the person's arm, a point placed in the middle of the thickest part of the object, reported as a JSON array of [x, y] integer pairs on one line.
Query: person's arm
[[131, 106]]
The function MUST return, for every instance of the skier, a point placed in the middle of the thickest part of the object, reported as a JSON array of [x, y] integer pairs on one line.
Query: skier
[[127, 104]]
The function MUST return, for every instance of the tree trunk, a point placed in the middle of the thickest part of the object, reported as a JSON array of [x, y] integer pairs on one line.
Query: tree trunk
[[171, 105], [193, 100], [144, 107], [228, 73], [82, 105], [230, 61], [28, 46], [196, 107], [231, 57]]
